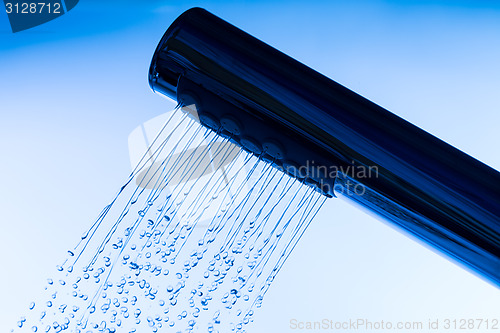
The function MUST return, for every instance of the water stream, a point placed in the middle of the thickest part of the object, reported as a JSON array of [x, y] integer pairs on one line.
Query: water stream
[[191, 242]]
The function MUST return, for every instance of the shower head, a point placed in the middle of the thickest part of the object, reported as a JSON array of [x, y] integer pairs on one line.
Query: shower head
[[331, 138]]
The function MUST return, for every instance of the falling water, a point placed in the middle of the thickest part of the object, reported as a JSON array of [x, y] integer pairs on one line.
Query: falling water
[[191, 242]]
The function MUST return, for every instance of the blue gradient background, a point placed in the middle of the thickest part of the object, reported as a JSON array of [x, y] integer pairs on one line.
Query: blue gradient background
[[73, 89]]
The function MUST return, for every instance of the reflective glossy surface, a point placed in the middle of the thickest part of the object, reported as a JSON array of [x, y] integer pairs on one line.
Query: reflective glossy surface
[[430, 189]]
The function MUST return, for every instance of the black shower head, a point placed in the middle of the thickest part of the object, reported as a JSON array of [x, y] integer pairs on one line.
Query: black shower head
[[320, 132]]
